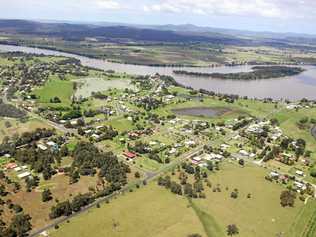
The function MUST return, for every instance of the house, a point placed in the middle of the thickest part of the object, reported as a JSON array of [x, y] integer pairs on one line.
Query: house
[[17, 169], [274, 174], [54, 146], [173, 151], [194, 162], [197, 159], [74, 122], [96, 136], [300, 185], [51, 143], [293, 106], [284, 178], [189, 143], [89, 131], [202, 165], [10, 166], [24, 175], [133, 135], [212, 156], [129, 155], [42, 147], [244, 153], [224, 147], [152, 143], [299, 172]]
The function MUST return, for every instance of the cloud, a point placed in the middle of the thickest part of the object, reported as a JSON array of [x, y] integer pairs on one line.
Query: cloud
[[162, 7], [263, 8], [108, 4]]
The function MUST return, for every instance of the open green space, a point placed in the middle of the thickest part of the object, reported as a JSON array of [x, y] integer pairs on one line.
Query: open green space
[[63, 89], [153, 211]]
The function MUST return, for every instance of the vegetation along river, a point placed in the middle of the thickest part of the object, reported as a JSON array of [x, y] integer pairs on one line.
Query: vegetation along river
[[292, 88]]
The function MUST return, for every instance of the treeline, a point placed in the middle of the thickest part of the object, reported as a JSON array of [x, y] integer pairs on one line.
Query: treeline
[[66, 208], [259, 72]]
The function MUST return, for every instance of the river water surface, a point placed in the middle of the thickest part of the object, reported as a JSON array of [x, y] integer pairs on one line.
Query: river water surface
[[292, 88]]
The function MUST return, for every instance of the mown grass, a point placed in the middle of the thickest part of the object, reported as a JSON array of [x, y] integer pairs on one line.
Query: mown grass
[[63, 89]]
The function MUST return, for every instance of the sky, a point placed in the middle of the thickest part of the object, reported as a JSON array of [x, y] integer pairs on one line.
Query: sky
[[256, 15]]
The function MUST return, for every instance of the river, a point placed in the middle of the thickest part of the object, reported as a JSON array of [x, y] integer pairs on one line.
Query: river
[[292, 88]]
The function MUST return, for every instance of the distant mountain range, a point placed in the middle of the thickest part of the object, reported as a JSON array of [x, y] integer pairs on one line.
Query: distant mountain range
[[207, 29], [187, 33]]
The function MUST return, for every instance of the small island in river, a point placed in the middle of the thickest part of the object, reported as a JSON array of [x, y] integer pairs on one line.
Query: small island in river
[[258, 72]]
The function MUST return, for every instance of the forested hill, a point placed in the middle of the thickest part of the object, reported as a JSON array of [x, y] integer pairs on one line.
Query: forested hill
[[122, 33], [78, 32]]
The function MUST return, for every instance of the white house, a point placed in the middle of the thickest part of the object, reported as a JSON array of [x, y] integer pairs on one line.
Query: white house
[[299, 172], [24, 175], [17, 169], [244, 153], [42, 147]]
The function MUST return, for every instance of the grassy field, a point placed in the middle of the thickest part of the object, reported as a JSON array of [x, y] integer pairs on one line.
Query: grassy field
[[304, 224], [153, 211], [120, 124], [55, 87], [18, 127], [261, 215]]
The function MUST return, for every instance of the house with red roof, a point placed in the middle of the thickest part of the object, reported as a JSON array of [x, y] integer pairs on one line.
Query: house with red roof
[[129, 155], [10, 166]]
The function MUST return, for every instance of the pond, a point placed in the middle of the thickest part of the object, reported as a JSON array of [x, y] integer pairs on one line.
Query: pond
[[201, 111], [292, 88]]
